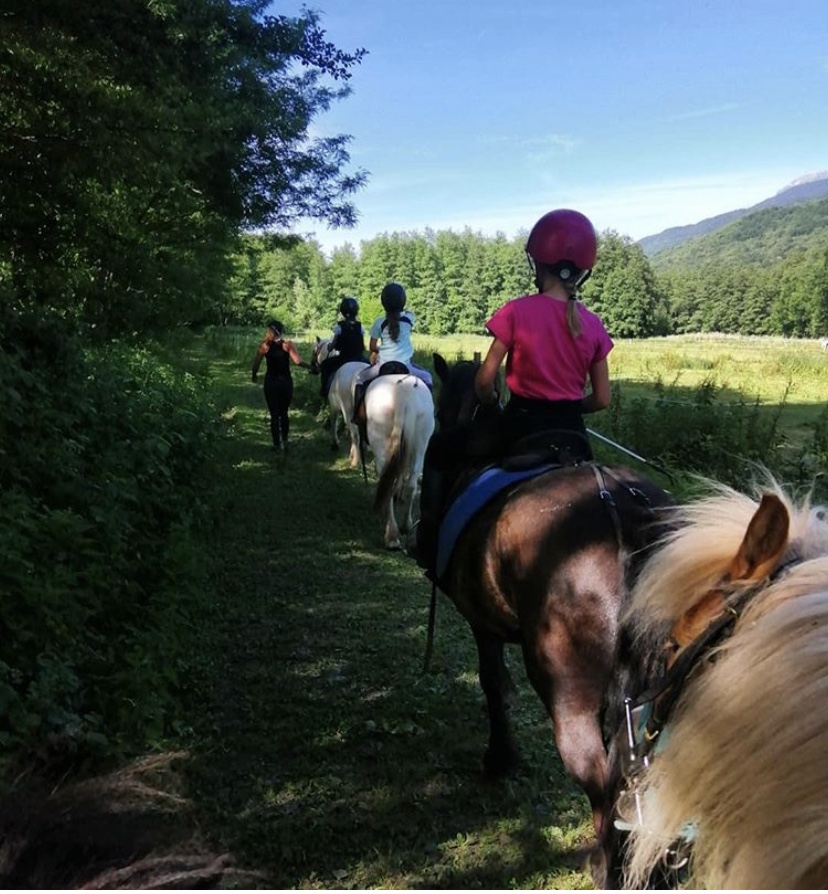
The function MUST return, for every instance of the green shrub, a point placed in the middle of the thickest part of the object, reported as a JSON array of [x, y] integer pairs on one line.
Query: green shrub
[[101, 450], [701, 431]]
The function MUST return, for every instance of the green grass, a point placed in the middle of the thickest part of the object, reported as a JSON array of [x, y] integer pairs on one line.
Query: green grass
[[322, 755]]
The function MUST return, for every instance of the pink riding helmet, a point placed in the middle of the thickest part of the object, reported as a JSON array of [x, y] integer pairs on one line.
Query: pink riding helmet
[[563, 237]]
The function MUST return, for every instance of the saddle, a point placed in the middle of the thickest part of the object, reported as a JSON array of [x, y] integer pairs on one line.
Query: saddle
[[529, 456], [561, 448], [469, 496]]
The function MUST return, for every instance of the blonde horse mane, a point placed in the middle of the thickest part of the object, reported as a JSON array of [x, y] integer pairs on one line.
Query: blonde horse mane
[[744, 756]]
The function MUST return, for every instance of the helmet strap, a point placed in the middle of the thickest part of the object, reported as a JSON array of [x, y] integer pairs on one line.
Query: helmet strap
[[535, 272]]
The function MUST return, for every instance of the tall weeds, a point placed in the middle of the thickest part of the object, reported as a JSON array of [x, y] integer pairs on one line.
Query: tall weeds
[[100, 455]]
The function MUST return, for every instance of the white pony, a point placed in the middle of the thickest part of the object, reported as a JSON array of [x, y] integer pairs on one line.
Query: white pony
[[399, 410], [341, 402], [340, 399]]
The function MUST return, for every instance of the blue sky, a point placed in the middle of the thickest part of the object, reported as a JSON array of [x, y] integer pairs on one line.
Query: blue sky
[[643, 114]]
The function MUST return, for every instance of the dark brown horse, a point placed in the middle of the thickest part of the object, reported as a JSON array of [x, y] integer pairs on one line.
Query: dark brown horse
[[547, 565]]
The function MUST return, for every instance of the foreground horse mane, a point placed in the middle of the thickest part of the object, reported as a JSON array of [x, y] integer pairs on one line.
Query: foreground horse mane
[[745, 757]]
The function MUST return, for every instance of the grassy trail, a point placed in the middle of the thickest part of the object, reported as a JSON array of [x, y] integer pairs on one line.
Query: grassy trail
[[322, 755]]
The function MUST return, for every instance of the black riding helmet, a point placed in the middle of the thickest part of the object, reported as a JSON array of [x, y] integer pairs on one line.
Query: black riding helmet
[[349, 308], [393, 297]]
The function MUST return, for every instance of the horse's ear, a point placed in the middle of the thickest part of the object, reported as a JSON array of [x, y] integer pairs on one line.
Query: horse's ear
[[318, 340], [761, 550], [765, 541], [440, 366]]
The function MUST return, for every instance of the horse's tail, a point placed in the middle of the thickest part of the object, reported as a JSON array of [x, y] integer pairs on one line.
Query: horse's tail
[[387, 484], [397, 458]]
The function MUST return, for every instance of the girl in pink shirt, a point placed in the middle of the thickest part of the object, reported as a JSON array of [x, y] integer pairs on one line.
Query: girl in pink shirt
[[553, 345]]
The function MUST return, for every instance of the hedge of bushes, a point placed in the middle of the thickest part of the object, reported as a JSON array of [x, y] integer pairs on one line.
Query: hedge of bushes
[[101, 453]]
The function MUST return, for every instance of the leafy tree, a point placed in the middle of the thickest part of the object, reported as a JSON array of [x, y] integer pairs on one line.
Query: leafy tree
[[376, 268], [819, 311], [455, 281], [344, 273], [623, 289], [140, 137]]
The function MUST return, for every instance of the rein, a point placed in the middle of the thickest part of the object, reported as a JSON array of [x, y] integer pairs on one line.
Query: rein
[[609, 500]]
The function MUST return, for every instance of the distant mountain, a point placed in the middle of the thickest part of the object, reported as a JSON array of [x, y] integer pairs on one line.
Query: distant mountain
[[762, 237], [811, 186]]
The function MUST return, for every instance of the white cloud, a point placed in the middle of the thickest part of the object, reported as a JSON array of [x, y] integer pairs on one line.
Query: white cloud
[[703, 113], [635, 209]]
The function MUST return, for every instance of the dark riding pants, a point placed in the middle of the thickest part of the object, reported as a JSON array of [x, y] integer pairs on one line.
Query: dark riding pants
[[524, 417], [278, 392]]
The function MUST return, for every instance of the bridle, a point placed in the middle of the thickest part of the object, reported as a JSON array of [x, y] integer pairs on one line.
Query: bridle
[[660, 699], [648, 716], [313, 366]]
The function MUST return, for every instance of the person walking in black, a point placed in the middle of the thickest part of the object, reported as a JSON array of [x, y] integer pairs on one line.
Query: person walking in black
[[278, 353]]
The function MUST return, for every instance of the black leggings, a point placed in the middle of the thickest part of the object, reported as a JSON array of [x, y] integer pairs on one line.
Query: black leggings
[[524, 417], [278, 392], [491, 436]]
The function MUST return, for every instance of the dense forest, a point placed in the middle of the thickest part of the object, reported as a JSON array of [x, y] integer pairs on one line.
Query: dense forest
[[766, 274]]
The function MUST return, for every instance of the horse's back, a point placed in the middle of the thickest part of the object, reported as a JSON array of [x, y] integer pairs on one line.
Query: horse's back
[[572, 530], [341, 392], [345, 377], [577, 503]]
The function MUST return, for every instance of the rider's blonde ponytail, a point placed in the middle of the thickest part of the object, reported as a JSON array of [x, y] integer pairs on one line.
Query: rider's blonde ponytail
[[573, 316]]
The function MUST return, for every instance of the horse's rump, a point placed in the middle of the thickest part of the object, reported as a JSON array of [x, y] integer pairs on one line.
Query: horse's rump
[[399, 421]]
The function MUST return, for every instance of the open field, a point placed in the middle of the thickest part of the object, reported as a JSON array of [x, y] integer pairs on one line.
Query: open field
[[771, 368]]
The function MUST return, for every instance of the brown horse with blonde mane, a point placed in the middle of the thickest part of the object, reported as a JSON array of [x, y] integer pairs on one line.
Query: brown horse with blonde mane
[[547, 565], [726, 752]]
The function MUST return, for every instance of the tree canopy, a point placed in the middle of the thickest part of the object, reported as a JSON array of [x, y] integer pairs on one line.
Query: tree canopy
[[139, 138], [766, 274]]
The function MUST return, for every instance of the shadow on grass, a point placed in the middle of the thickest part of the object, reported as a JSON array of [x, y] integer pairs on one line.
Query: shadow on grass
[[323, 756]]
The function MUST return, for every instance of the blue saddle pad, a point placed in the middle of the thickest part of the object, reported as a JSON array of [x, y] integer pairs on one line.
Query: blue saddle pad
[[487, 485]]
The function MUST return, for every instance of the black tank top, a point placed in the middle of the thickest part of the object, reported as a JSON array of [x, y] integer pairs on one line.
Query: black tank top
[[278, 360]]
